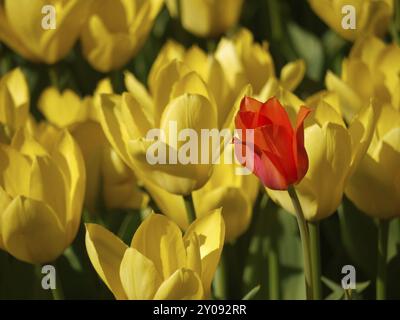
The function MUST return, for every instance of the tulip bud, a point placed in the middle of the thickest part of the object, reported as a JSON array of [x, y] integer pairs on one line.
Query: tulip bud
[[354, 18], [22, 28], [206, 18], [116, 30], [14, 104]]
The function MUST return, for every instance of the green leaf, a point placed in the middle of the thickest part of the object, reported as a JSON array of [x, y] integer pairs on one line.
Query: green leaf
[[275, 227], [309, 48], [359, 236], [252, 293]]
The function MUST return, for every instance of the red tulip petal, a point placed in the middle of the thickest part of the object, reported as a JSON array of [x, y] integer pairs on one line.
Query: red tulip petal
[[267, 170], [280, 144], [265, 167], [250, 120], [274, 111], [250, 104]]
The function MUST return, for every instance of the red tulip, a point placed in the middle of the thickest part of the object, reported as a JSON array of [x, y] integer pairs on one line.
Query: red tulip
[[277, 152]]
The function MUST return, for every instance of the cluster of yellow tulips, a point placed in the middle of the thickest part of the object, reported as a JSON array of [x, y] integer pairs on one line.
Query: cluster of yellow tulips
[[69, 159]]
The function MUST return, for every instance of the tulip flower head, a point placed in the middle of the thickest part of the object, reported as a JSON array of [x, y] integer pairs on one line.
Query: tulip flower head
[[108, 178], [280, 158], [159, 264], [42, 184]]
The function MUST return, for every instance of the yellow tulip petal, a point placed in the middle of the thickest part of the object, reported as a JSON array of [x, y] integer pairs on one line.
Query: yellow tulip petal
[[139, 277], [160, 240], [361, 131], [113, 124], [141, 95], [374, 187], [69, 159], [211, 231], [170, 51], [192, 245], [31, 231], [106, 252], [236, 209], [62, 108], [184, 284], [170, 204], [5, 200], [292, 74], [14, 171], [166, 78], [350, 102], [47, 185], [14, 87]]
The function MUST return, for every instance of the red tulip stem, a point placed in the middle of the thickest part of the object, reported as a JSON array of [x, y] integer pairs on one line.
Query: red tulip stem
[[383, 235], [191, 212], [305, 241]]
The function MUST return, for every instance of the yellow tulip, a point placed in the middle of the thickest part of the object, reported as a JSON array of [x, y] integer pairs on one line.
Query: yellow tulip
[[116, 30], [178, 96], [236, 63], [235, 194], [206, 18], [21, 27], [372, 71], [107, 175], [371, 16], [334, 151], [159, 263], [42, 185], [14, 104], [375, 186]]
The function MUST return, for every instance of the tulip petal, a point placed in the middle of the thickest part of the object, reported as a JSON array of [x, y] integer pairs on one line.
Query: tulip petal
[[374, 188], [299, 151], [47, 185], [139, 276], [26, 227], [192, 246], [160, 240], [106, 252], [211, 232], [69, 158], [183, 284], [62, 108], [139, 92], [14, 171], [351, 103], [292, 74], [5, 200], [276, 113], [361, 132], [113, 125], [171, 205]]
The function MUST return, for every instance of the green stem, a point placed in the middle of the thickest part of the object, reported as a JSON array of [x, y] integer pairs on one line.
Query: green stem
[[383, 234], [305, 241], [220, 280], [313, 228], [58, 293], [273, 272], [348, 294], [191, 212]]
